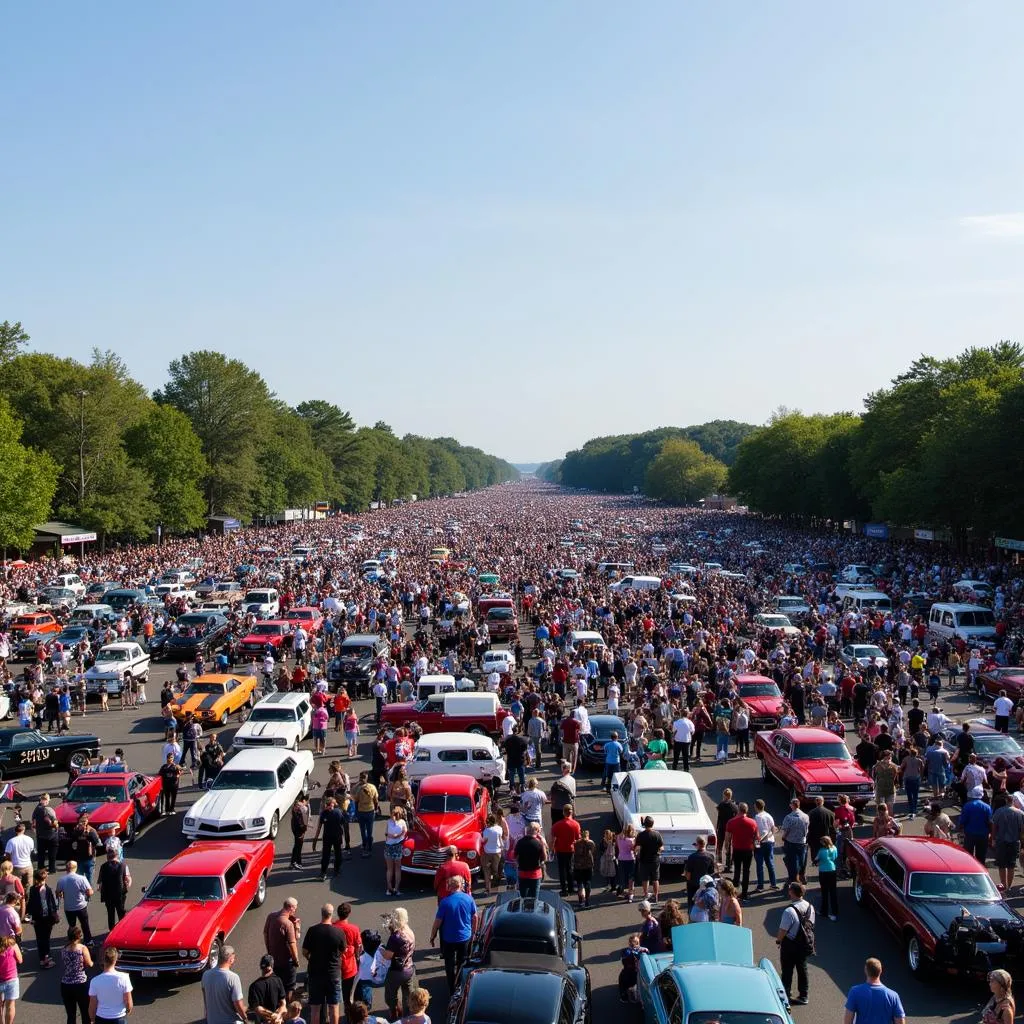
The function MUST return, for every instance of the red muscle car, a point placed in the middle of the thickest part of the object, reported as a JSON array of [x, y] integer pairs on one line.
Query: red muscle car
[[812, 762], [451, 810], [270, 631], [764, 699], [310, 619], [939, 901], [991, 746], [118, 802], [993, 681], [191, 906]]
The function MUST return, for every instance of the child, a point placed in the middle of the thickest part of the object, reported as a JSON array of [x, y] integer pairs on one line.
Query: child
[[609, 865], [419, 1000], [630, 972], [827, 876], [293, 1013], [367, 978]]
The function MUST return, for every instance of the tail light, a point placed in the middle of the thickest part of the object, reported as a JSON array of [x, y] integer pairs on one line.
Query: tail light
[[712, 839]]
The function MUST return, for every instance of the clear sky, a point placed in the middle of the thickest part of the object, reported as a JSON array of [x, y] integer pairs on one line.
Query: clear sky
[[521, 224]]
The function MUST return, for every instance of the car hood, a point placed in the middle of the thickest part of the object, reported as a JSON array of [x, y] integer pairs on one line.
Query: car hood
[[262, 638], [186, 641], [441, 829], [233, 805], [103, 669], [171, 924], [267, 730], [832, 772], [936, 915], [764, 705], [101, 812]]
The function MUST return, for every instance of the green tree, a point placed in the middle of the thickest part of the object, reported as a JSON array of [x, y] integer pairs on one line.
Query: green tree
[[334, 433], [13, 338], [28, 482], [682, 473]]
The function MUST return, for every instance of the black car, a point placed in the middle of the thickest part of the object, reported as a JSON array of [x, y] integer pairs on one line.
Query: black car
[[545, 926], [24, 646], [197, 633], [601, 729], [23, 751], [71, 637], [519, 988], [354, 664]]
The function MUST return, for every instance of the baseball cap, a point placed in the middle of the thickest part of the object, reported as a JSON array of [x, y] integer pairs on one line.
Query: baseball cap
[[644, 905], [976, 793]]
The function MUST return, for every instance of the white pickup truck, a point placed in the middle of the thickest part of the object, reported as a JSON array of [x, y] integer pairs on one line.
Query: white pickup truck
[[112, 662]]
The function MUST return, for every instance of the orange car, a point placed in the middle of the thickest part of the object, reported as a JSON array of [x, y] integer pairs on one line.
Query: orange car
[[34, 622], [212, 698]]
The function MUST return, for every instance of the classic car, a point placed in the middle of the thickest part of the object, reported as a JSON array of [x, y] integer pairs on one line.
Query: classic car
[[457, 753], [70, 638], [938, 900], [519, 988], [539, 927], [673, 800], [778, 624], [449, 712], [989, 746], [710, 975], [23, 751], [502, 623], [213, 698], [199, 632], [764, 699], [268, 633], [250, 795], [40, 623], [310, 619], [812, 762], [112, 662], [601, 729], [863, 654], [354, 664], [118, 802], [992, 682], [451, 810], [70, 581], [191, 907], [264, 603], [502, 662], [278, 720], [61, 599]]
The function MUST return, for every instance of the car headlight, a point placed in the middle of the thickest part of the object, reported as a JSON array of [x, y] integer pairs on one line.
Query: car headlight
[[107, 826], [190, 822], [865, 787], [406, 854], [814, 789], [471, 855], [193, 954], [183, 954], [258, 822]]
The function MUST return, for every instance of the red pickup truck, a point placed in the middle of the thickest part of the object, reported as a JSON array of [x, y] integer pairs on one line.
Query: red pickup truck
[[480, 713]]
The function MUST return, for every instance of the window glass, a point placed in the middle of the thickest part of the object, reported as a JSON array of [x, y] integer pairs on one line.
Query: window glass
[[234, 874]]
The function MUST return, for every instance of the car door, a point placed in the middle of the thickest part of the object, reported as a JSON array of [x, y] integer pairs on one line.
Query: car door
[[30, 752], [671, 1004], [621, 799], [783, 764], [239, 891], [888, 879], [139, 795], [455, 760], [287, 784]]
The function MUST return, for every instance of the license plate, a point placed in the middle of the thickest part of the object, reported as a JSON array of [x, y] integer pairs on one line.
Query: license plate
[[673, 858], [150, 974]]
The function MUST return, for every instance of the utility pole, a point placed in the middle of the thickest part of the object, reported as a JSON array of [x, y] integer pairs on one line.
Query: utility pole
[[81, 449]]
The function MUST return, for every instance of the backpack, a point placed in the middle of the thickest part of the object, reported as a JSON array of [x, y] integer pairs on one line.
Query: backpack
[[804, 938]]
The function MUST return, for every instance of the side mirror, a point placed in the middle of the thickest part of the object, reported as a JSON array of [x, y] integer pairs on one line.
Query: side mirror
[[144, 888], [577, 939], [232, 891], [63, 793], [615, 786]]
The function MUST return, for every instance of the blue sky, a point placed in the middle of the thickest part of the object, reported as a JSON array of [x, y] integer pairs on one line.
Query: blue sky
[[519, 224]]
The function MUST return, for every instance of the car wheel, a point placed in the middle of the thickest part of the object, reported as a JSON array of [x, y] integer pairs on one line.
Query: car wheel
[[860, 896], [477, 730], [261, 891], [915, 955], [275, 824], [766, 776], [305, 786], [131, 828], [224, 718], [213, 956], [79, 760], [295, 744]]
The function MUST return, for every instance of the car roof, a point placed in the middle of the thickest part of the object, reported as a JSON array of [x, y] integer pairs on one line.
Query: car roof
[[277, 697], [708, 985], [667, 779], [104, 776], [523, 995], [753, 677], [263, 758], [809, 734], [523, 919], [920, 853], [360, 638], [210, 856], [454, 739], [453, 784]]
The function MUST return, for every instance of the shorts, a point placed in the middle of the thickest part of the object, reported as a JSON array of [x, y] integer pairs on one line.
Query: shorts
[[569, 751], [648, 871], [319, 734], [1007, 854], [937, 780], [351, 737], [10, 990], [324, 990], [393, 851]]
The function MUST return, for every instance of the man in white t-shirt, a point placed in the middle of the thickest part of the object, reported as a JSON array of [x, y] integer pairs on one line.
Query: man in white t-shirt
[[1003, 707], [682, 734], [110, 993], [20, 847]]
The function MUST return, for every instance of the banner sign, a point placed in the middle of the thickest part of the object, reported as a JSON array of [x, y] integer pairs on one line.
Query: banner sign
[[879, 531], [924, 535], [1010, 545], [77, 538]]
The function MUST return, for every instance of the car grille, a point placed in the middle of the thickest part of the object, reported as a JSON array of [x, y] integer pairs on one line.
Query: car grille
[[834, 788], [766, 720], [256, 741], [235, 826], [147, 957], [428, 858]]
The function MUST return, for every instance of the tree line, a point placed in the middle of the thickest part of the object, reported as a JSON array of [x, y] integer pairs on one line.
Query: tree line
[[87, 443], [942, 447]]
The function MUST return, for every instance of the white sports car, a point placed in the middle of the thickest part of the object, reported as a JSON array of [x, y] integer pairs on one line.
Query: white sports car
[[251, 795], [673, 800], [279, 720]]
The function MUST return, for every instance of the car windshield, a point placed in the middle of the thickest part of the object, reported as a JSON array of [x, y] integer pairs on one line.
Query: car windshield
[[223, 588], [444, 803], [266, 629], [240, 778], [95, 793], [352, 651], [868, 652], [272, 715], [193, 620], [194, 688], [774, 620], [501, 613], [666, 801], [821, 752], [200, 888], [604, 730], [760, 690], [996, 745], [934, 885], [114, 655], [732, 1017]]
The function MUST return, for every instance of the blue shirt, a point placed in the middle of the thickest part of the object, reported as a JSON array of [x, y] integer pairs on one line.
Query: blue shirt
[[874, 1004], [612, 752], [974, 818], [827, 856], [455, 912]]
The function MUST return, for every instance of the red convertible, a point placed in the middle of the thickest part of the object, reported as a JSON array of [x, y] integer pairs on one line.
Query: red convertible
[[118, 802], [939, 901], [451, 810], [191, 906], [764, 699], [812, 762]]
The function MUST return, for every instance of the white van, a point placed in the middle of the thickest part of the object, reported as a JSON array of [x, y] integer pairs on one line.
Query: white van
[[580, 638], [457, 753], [867, 601], [85, 613], [792, 605], [856, 573], [972, 623], [635, 583]]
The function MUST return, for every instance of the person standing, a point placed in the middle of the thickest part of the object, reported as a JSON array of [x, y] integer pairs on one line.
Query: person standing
[[74, 982], [170, 778], [613, 754], [451, 867], [74, 891], [741, 836], [114, 880], [828, 876], [398, 953], [517, 751], [281, 940], [794, 842], [531, 853], [45, 825], [821, 822], [1006, 830], [975, 819], [871, 1002], [648, 846], [85, 841], [764, 852], [562, 792], [20, 848], [266, 996], [110, 992], [394, 846], [322, 947], [332, 824], [456, 919], [727, 810], [564, 834], [367, 805], [10, 985], [1001, 1008], [299, 826], [349, 955], [222, 991], [795, 939], [45, 912], [911, 771], [699, 864], [682, 737]]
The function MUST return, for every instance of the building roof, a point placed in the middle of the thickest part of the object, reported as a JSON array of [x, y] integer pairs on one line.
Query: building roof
[[66, 533]]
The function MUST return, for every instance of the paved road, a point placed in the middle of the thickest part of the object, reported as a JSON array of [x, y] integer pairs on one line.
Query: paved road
[[842, 946]]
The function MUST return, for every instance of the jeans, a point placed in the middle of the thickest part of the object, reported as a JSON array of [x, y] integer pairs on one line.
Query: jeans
[[365, 819], [978, 846], [565, 880], [454, 954], [43, 930], [46, 854], [518, 772], [792, 959], [681, 751], [168, 798], [764, 856], [190, 749], [794, 856], [741, 869], [331, 845], [606, 776], [529, 888], [76, 1001], [298, 838], [625, 872], [829, 894], [912, 787], [721, 744], [81, 918], [115, 911], [85, 868]]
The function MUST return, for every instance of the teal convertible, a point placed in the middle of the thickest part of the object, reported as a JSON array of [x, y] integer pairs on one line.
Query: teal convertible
[[710, 976]]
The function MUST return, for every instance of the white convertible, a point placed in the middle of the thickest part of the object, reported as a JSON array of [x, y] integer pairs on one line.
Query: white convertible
[[673, 800], [251, 795]]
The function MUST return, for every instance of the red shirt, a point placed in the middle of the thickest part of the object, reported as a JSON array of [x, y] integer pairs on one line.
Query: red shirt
[[349, 962], [743, 830], [570, 730], [564, 834], [451, 869]]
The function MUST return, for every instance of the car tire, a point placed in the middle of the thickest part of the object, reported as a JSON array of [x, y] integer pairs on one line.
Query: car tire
[[223, 718], [275, 826], [131, 829], [261, 891], [79, 759], [914, 954], [214, 955], [477, 730]]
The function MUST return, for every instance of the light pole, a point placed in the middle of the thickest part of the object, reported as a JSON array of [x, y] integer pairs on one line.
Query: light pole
[[81, 449]]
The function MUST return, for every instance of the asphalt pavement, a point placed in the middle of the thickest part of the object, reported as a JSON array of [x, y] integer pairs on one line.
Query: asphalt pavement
[[842, 946]]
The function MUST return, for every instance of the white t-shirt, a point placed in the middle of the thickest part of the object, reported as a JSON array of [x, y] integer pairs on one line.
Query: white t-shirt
[[109, 989], [20, 848], [494, 839], [682, 730], [508, 723], [1003, 706]]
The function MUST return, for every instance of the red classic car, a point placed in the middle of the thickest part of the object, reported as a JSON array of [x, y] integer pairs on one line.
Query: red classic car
[[939, 901], [451, 810], [764, 699], [310, 619], [449, 712], [990, 746], [270, 631], [34, 622], [993, 681], [191, 906], [812, 762], [118, 802]]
